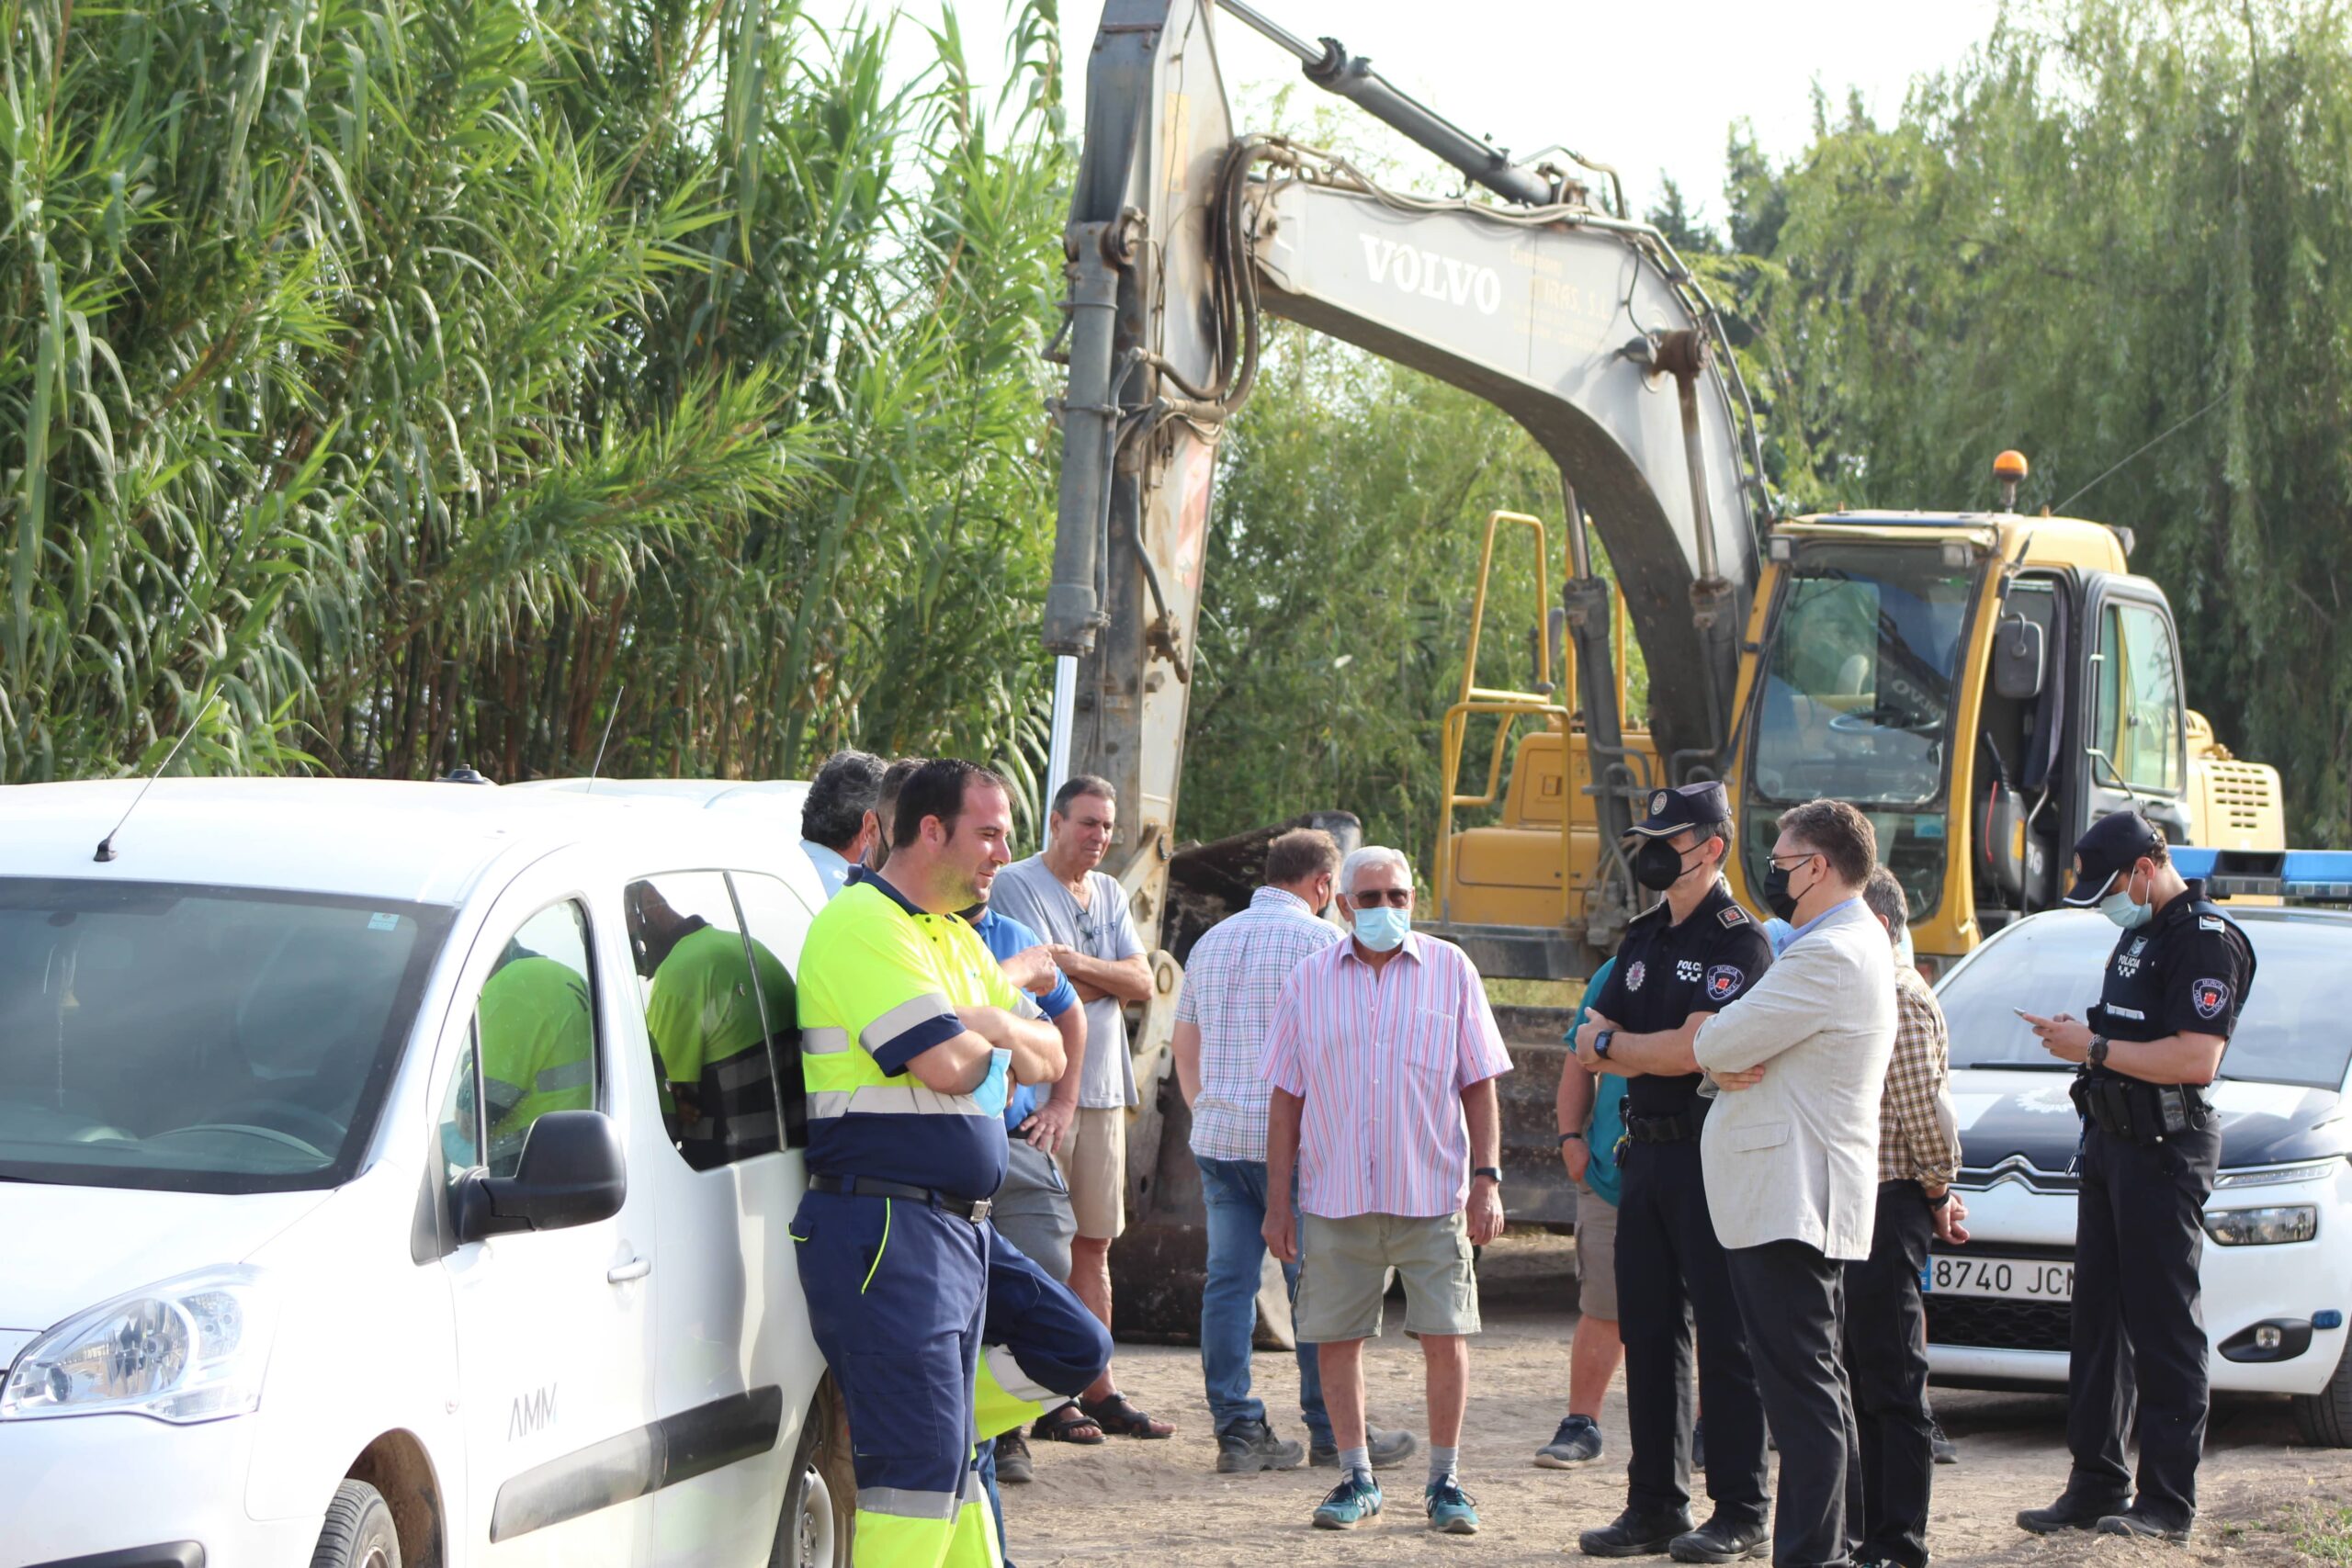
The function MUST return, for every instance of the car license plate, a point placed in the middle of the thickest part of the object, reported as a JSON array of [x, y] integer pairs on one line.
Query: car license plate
[[2010, 1278]]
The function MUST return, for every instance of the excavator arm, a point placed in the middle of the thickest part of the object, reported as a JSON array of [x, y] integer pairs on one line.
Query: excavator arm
[[1581, 325]]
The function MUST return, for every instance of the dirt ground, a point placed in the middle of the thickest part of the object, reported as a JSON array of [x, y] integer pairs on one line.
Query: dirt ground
[[2268, 1498]]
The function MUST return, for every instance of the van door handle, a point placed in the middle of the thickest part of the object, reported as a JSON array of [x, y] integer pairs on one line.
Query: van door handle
[[635, 1269]]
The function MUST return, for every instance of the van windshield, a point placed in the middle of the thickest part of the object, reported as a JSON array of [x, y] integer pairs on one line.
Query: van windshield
[[200, 1038]]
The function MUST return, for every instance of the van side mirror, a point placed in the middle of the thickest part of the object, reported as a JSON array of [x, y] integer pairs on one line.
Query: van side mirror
[[571, 1172], [2020, 665]]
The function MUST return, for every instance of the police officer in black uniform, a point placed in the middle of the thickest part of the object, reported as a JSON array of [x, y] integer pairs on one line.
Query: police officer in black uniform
[[1686, 958], [2178, 976]]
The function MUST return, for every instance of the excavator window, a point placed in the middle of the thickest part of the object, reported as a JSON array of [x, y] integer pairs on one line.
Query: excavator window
[[1857, 697], [2138, 724]]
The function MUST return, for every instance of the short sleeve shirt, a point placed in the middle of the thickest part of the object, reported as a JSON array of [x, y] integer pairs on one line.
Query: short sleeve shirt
[[881, 980], [1667, 972], [703, 1010], [1232, 977], [1003, 936], [2186, 972], [1032, 894], [1381, 1060]]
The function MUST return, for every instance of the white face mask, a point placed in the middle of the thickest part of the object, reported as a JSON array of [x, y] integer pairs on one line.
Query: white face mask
[[2118, 906]]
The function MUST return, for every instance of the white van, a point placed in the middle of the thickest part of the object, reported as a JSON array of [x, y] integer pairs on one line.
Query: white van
[[348, 1213]]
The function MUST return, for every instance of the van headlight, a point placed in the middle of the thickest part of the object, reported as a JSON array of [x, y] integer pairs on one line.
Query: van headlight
[[2263, 1227], [191, 1348]]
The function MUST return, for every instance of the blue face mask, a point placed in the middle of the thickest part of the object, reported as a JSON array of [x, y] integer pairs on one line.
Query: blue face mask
[[1383, 928], [2118, 906]]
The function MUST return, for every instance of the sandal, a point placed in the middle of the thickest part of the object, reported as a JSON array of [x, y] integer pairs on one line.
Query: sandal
[[1115, 1414], [1067, 1424]]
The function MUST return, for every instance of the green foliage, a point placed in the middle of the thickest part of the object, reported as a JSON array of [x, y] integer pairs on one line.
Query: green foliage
[[430, 378], [2113, 228]]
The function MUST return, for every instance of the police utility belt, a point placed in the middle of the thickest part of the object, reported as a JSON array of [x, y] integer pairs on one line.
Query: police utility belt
[[1678, 1128], [973, 1209], [2135, 1112]]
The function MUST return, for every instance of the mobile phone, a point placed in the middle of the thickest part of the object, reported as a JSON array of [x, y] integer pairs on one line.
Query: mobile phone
[[2025, 1015]]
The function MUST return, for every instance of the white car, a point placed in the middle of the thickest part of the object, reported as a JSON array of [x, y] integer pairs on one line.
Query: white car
[[283, 1279], [2277, 1262]]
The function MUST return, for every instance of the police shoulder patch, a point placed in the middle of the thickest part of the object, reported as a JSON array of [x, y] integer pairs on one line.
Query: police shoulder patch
[[1732, 915], [1723, 980], [2208, 998]]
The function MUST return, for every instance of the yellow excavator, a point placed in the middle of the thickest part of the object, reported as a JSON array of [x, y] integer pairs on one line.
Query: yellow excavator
[[1983, 684]]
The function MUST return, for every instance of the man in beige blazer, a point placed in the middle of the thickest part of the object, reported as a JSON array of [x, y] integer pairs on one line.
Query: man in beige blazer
[[1791, 1158]]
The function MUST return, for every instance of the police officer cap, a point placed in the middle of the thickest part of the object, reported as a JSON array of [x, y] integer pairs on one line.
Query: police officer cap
[[2112, 844], [1693, 806]]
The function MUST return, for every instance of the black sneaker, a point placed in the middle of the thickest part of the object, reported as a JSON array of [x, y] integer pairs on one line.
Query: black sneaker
[[1014, 1465], [1388, 1450], [1636, 1535], [2068, 1513], [1248, 1447], [1577, 1442], [1945, 1450], [2132, 1522], [1722, 1540]]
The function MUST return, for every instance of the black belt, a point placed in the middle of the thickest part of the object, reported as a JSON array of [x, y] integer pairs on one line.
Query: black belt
[[972, 1209], [2138, 1112], [1678, 1128]]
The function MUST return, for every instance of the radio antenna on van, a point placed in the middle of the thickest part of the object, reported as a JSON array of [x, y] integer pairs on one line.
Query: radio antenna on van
[[106, 846], [598, 766]]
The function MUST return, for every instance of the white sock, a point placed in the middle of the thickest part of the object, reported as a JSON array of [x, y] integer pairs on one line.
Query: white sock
[[1356, 1462], [1444, 1464]]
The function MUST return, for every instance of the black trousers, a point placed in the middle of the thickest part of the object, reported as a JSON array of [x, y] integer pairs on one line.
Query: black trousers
[[1670, 1271], [1886, 1364], [2139, 1323], [1792, 1297]]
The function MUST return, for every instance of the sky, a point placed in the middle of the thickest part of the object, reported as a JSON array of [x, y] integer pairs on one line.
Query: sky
[[1610, 81]]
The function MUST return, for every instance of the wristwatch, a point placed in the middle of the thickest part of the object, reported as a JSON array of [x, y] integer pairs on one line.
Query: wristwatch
[[1601, 1042], [1566, 1136], [1941, 1200], [2096, 1054], [1495, 1171]]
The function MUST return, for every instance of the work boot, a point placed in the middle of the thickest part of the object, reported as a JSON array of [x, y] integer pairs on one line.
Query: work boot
[[1388, 1450], [1636, 1535], [1723, 1540], [1248, 1447], [2070, 1513], [1577, 1442], [2132, 1522], [1014, 1465]]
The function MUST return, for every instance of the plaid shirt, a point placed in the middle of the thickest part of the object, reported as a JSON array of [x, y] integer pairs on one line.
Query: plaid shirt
[[1918, 1140], [1232, 979]]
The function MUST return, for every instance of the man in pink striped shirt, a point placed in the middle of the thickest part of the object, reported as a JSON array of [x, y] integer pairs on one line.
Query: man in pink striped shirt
[[1383, 1057]]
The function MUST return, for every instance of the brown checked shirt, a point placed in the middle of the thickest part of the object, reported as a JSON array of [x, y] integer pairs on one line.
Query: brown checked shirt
[[1916, 1138]]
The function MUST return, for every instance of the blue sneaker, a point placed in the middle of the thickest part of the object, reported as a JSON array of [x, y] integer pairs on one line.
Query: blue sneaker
[[1451, 1509], [1355, 1499]]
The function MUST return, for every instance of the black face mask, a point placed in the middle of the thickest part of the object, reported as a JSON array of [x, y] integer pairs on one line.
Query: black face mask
[[1777, 896], [1657, 866]]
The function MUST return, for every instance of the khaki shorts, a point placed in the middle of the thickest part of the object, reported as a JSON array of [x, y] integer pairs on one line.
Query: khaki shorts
[[1343, 1272], [1094, 1158], [1596, 1255]]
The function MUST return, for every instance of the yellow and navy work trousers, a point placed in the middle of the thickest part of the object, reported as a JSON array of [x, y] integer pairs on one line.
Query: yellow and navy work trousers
[[1042, 1342], [896, 1292]]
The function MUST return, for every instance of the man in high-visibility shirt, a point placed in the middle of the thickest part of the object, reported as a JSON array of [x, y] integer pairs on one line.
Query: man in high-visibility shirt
[[538, 1043], [911, 1032], [704, 1017]]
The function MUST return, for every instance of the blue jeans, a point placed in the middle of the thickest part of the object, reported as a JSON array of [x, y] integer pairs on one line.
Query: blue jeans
[[1235, 1194]]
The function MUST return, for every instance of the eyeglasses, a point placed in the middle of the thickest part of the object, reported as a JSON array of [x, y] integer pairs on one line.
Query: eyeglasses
[[1373, 897], [1794, 861]]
